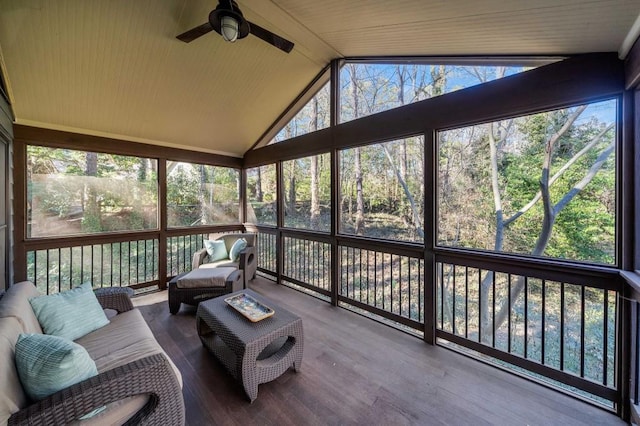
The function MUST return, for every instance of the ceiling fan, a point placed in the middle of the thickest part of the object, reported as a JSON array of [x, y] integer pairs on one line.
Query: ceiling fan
[[227, 20]]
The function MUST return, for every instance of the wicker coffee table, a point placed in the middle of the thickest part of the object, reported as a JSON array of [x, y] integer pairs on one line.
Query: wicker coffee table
[[253, 352]]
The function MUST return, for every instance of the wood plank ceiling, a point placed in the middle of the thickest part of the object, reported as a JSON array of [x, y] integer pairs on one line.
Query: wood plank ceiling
[[114, 68]]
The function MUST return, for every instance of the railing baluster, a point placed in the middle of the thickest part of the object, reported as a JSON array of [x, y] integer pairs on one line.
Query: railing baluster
[[400, 284], [441, 287], [636, 384], [184, 255], [543, 322], [375, 278], [420, 291], [479, 305], [360, 274], [410, 286], [509, 315], [146, 278], [526, 318], [59, 273], [453, 299], [605, 340], [81, 264], [493, 309], [70, 267], [616, 301], [101, 265], [384, 281], [562, 310], [466, 302], [391, 282], [582, 325], [91, 266], [47, 258]]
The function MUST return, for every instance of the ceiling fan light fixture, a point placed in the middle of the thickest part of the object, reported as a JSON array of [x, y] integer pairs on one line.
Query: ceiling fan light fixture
[[229, 28], [227, 20]]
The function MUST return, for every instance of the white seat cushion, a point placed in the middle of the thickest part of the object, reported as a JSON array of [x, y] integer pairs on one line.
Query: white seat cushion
[[205, 277]]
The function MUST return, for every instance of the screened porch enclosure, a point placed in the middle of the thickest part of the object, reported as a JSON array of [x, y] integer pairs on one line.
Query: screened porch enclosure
[[534, 305]]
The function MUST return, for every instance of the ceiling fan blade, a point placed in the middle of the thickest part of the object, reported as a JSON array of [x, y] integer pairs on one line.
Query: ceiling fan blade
[[194, 33], [271, 38]]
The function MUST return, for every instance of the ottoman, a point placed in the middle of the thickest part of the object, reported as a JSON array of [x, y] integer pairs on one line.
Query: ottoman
[[202, 284]]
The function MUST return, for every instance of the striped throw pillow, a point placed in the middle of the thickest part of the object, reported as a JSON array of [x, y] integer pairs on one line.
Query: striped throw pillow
[[216, 249], [70, 314], [47, 364], [236, 248]]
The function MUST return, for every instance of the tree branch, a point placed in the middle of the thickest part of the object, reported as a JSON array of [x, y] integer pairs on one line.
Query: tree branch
[[414, 210], [558, 174], [585, 180]]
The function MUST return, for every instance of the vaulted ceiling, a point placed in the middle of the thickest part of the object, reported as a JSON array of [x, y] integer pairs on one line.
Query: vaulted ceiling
[[114, 67]]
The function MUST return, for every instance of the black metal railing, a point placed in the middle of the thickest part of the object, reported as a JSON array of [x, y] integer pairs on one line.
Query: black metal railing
[[267, 251], [562, 330], [307, 263], [124, 263], [180, 250], [383, 282], [635, 352]]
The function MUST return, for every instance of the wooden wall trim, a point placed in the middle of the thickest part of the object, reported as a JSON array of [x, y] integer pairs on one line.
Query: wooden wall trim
[[61, 139], [626, 227], [632, 66], [634, 146], [19, 213], [579, 79], [294, 107]]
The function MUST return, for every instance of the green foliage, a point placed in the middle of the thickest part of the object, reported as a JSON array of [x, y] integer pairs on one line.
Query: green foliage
[[201, 195], [583, 230], [72, 192]]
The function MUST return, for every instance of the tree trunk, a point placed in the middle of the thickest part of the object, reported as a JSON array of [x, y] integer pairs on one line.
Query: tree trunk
[[359, 195], [415, 214], [292, 188], [91, 221], [315, 199], [259, 193], [357, 167], [92, 164], [202, 191], [550, 213]]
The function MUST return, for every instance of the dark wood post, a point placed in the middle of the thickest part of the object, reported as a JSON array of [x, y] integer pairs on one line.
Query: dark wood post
[[162, 235], [429, 278]]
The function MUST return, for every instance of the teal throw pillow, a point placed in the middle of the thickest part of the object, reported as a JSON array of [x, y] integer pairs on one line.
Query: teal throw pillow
[[216, 249], [236, 248], [70, 314], [47, 364]]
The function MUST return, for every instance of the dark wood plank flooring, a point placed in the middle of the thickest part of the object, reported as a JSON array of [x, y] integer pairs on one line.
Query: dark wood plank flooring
[[356, 371]]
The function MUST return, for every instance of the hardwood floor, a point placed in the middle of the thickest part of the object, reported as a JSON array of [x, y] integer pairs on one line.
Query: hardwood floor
[[356, 371]]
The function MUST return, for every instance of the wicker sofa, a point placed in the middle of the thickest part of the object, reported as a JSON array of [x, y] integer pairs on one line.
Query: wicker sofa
[[136, 381], [247, 262]]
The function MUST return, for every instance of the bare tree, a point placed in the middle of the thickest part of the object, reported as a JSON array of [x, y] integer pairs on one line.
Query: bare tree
[[91, 209], [315, 199], [259, 192], [550, 210], [359, 219]]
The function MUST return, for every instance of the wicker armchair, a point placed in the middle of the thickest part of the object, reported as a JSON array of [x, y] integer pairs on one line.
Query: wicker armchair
[[247, 261], [152, 375]]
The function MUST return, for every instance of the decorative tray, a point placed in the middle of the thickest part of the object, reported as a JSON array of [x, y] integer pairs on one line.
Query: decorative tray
[[253, 310]]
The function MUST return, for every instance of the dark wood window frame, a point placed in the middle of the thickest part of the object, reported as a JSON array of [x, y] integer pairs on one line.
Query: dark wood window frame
[[601, 76], [27, 135], [577, 80]]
